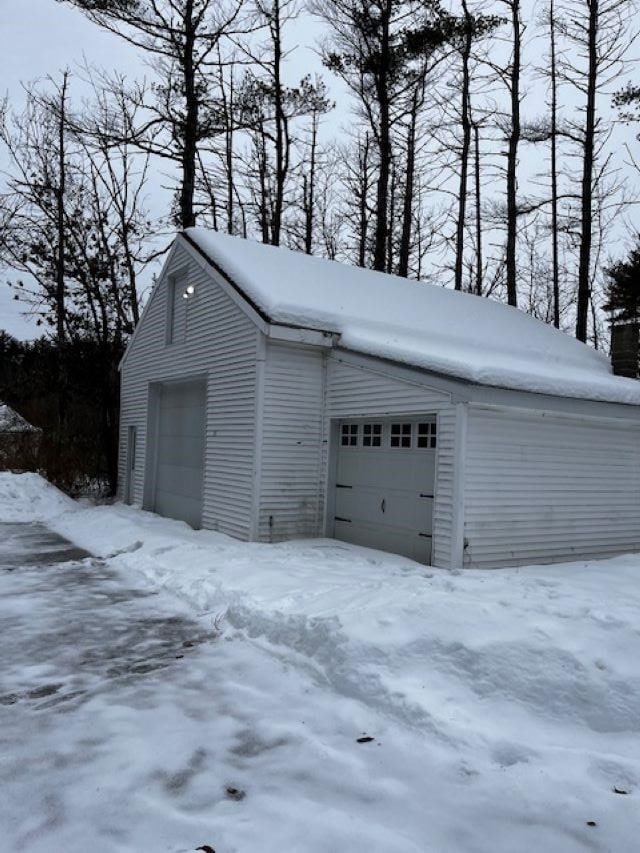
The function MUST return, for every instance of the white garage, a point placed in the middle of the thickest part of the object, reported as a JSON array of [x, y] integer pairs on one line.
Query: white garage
[[179, 448], [385, 485], [270, 395]]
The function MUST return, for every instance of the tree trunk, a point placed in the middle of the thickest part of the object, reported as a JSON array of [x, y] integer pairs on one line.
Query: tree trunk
[[60, 213], [280, 120], [362, 207], [384, 144], [479, 261], [555, 260], [464, 152], [586, 224], [407, 206], [62, 395], [110, 355], [261, 145], [392, 216], [229, 122], [229, 160], [512, 157], [191, 121], [310, 189]]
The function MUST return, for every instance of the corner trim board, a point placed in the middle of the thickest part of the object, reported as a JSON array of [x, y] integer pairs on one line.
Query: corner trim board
[[460, 457], [261, 357]]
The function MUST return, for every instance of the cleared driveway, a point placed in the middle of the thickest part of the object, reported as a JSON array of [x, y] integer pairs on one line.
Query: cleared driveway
[[128, 724], [72, 629], [98, 700], [350, 704]]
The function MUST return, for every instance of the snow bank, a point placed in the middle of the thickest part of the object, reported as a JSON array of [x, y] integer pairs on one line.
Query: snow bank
[[29, 497], [416, 323], [506, 702], [11, 421]]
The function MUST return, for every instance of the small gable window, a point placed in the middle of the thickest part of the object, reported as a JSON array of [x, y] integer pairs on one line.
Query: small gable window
[[177, 299]]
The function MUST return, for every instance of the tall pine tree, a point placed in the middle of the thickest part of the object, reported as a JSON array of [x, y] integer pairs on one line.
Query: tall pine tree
[[623, 288]]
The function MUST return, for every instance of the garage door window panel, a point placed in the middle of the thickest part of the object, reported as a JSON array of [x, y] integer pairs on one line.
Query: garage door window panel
[[349, 435], [427, 435], [401, 435], [372, 435]]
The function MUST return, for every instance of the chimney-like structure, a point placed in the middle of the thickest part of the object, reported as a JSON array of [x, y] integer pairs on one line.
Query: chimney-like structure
[[625, 349]]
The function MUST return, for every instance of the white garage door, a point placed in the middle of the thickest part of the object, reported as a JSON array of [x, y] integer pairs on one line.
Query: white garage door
[[384, 485], [180, 452]]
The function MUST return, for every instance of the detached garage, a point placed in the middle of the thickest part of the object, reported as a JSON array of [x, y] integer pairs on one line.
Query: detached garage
[[271, 395]]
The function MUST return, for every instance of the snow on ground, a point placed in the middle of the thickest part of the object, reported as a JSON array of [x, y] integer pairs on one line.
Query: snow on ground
[[11, 421], [504, 705]]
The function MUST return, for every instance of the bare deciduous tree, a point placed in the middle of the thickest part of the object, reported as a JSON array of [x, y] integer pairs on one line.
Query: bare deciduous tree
[[180, 39], [600, 33]]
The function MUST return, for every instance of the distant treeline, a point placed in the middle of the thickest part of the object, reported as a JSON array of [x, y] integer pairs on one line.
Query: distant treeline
[[79, 419], [485, 149], [450, 169]]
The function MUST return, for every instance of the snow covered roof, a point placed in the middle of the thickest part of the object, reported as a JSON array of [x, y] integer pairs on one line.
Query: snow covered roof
[[419, 324], [11, 421]]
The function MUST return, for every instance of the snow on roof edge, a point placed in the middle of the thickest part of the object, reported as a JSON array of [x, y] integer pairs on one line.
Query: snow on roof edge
[[561, 366]]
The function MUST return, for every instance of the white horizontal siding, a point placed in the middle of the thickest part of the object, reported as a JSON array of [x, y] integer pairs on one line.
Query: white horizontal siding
[[547, 488], [356, 391], [291, 494], [221, 343]]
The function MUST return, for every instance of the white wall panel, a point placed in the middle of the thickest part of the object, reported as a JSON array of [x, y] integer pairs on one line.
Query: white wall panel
[[291, 491], [356, 391], [299, 384], [220, 342], [545, 488]]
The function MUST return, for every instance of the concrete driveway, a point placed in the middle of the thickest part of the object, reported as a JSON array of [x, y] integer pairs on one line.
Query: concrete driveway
[[82, 628], [347, 708], [128, 725], [96, 678]]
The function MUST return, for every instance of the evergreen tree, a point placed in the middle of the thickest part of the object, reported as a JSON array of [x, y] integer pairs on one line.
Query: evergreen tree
[[623, 288], [382, 50]]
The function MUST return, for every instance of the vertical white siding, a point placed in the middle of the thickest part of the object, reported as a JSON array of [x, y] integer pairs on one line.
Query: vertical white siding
[[546, 488], [443, 506], [291, 493], [220, 342], [353, 391]]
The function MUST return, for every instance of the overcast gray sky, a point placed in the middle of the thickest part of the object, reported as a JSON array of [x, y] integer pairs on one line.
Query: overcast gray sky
[[40, 37]]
